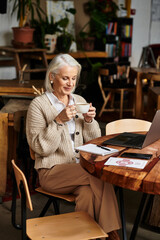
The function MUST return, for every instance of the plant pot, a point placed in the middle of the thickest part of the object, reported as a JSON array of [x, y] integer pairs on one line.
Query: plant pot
[[63, 43], [88, 44], [50, 41], [23, 34]]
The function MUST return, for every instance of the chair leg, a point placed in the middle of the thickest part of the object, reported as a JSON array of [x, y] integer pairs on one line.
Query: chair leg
[[23, 211], [112, 100], [134, 111], [55, 204], [13, 206], [121, 103], [102, 109], [43, 212], [104, 104]]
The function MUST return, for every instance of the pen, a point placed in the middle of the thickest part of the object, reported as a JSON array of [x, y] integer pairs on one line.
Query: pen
[[103, 148]]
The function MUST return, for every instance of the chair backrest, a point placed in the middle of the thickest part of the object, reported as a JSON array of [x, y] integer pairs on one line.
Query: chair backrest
[[127, 125], [123, 71], [20, 178], [114, 72], [154, 78]]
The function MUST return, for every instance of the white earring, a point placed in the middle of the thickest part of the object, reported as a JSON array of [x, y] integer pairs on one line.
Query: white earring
[[51, 81]]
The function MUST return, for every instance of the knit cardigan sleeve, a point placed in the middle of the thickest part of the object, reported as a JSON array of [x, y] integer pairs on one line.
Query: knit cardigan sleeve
[[43, 134]]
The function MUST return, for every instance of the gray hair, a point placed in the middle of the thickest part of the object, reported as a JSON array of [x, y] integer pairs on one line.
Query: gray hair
[[58, 62]]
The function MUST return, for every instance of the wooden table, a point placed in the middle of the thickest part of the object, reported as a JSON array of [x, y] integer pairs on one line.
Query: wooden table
[[145, 180], [14, 88], [139, 74], [18, 57]]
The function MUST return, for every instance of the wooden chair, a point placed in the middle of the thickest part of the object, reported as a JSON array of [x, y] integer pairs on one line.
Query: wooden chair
[[127, 125], [3, 153], [153, 96], [158, 62], [71, 226], [25, 159], [109, 86], [52, 197]]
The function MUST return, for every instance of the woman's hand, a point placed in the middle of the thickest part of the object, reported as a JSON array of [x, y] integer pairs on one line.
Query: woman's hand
[[67, 114], [90, 115]]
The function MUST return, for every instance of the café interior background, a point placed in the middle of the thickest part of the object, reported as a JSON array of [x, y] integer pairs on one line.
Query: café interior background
[[146, 27]]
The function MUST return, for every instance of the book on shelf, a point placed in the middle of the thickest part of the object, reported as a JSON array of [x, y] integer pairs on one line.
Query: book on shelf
[[111, 28], [115, 28], [110, 48], [125, 49], [126, 31]]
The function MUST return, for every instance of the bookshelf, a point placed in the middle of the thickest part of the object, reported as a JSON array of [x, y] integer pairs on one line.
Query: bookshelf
[[124, 31], [118, 38]]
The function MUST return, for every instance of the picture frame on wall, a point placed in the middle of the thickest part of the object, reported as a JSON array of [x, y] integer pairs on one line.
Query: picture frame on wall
[[57, 9]]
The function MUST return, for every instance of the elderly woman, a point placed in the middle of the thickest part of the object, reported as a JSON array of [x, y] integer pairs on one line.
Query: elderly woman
[[54, 129]]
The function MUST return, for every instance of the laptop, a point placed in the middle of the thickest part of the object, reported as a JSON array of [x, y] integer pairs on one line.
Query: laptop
[[135, 140]]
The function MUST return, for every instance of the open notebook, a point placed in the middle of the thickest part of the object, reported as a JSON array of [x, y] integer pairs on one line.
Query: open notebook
[[93, 148]]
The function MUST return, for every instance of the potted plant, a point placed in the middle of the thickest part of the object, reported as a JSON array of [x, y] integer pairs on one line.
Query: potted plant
[[64, 40], [101, 12], [46, 29], [25, 9], [46, 33]]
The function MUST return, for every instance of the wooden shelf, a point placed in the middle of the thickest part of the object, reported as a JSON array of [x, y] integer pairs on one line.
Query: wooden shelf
[[80, 54]]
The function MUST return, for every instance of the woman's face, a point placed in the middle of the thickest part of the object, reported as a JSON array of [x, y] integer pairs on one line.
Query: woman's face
[[64, 81]]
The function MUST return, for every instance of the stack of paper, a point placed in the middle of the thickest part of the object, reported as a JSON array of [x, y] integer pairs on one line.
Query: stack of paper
[[93, 148]]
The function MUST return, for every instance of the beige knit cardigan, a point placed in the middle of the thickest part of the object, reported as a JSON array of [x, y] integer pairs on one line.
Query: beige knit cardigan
[[51, 142]]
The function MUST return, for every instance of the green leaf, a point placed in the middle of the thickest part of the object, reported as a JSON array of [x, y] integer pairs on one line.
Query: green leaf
[[71, 10]]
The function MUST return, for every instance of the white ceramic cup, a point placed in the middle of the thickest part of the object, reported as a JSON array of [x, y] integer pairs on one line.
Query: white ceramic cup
[[82, 107]]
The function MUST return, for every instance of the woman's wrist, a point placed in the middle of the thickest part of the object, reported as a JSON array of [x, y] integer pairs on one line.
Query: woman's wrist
[[58, 121], [59, 124]]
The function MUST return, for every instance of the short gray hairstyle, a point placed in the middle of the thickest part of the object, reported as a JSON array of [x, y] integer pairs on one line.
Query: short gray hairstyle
[[58, 62]]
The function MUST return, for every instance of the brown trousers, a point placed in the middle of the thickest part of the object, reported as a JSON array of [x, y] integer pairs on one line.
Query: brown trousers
[[92, 195]]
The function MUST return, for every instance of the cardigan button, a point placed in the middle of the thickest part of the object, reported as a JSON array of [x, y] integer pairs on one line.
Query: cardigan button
[[77, 133]]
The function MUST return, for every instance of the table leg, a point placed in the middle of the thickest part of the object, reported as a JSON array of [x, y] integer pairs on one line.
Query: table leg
[[138, 217], [138, 106], [121, 200]]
